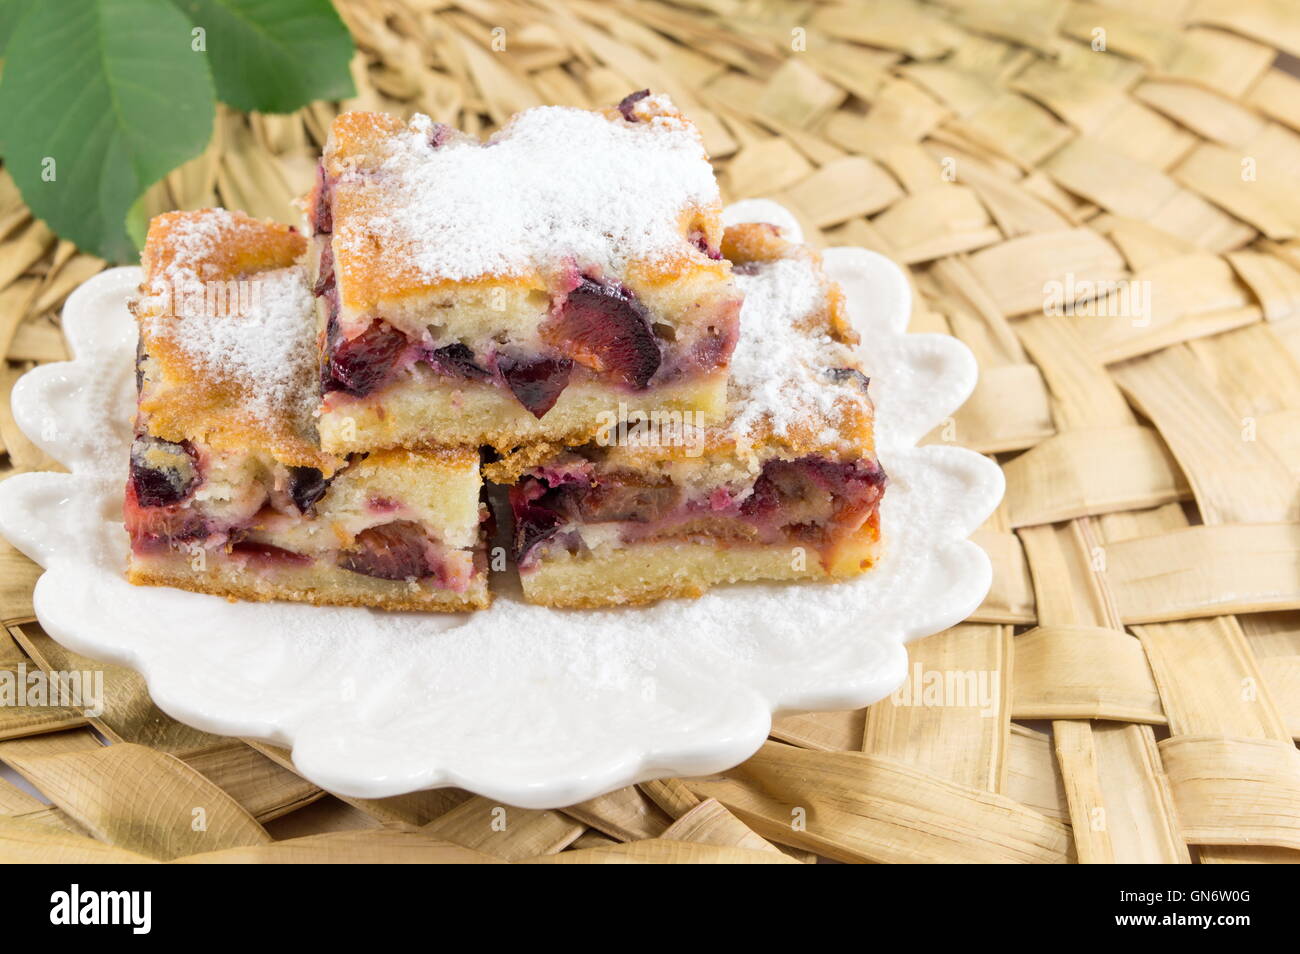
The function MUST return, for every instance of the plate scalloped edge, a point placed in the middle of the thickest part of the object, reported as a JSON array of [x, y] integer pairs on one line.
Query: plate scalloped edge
[[531, 707]]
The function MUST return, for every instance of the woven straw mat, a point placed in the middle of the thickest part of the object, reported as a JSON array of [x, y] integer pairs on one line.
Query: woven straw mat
[[1099, 199]]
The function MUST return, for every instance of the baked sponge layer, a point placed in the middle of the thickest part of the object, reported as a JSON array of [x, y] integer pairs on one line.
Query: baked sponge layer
[[420, 409], [644, 572], [319, 583]]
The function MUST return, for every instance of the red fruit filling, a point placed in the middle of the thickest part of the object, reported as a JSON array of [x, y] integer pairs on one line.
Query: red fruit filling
[[162, 472], [536, 383], [360, 365], [155, 528], [811, 501], [713, 349], [603, 327], [321, 215], [538, 514], [605, 501], [269, 553], [307, 486], [700, 241], [392, 551], [629, 102], [458, 360]]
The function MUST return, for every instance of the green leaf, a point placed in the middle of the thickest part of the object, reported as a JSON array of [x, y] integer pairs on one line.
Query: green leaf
[[99, 100], [11, 11], [274, 56], [137, 223]]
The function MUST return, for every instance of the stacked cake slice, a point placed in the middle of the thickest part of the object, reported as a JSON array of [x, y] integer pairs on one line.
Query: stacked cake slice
[[229, 492], [786, 487], [516, 290], [560, 301]]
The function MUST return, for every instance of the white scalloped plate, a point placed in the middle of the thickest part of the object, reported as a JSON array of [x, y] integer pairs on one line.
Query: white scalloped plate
[[529, 706]]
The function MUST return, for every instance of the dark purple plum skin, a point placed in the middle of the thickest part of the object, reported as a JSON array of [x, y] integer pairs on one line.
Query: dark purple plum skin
[[391, 551], [307, 486], [325, 282], [458, 359], [322, 212], [360, 365], [629, 102], [536, 517], [537, 383], [602, 326], [155, 487]]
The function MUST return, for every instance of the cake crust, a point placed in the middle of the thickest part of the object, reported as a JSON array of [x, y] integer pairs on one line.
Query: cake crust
[[374, 165], [212, 275], [237, 587]]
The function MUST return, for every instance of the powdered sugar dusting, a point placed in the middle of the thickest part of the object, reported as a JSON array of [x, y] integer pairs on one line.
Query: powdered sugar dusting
[[264, 341], [778, 370], [192, 241], [556, 186]]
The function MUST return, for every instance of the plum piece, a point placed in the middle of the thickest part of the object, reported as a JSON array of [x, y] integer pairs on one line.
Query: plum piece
[[440, 134], [535, 521], [603, 327], [321, 217], [307, 486], [390, 551], [701, 241], [358, 366], [536, 383], [764, 500], [628, 104], [713, 349], [158, 529], [155, 528], [843, 375], [458, 360], [855, 486], [162, 473], [269, 552], [325, 282], [533, 527], [639, 503]]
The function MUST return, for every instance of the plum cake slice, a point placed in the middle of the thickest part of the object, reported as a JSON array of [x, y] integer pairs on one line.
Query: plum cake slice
[[786, 488], [520, 289], [228, 492]]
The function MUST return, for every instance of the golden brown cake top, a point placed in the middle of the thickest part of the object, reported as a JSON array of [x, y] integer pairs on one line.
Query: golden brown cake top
[[794, 375], [626, 192], [228, 340]]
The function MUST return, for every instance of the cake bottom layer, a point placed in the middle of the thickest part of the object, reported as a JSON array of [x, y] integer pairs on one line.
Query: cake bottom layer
[[637, 573], [422, 409], [316, 583]]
